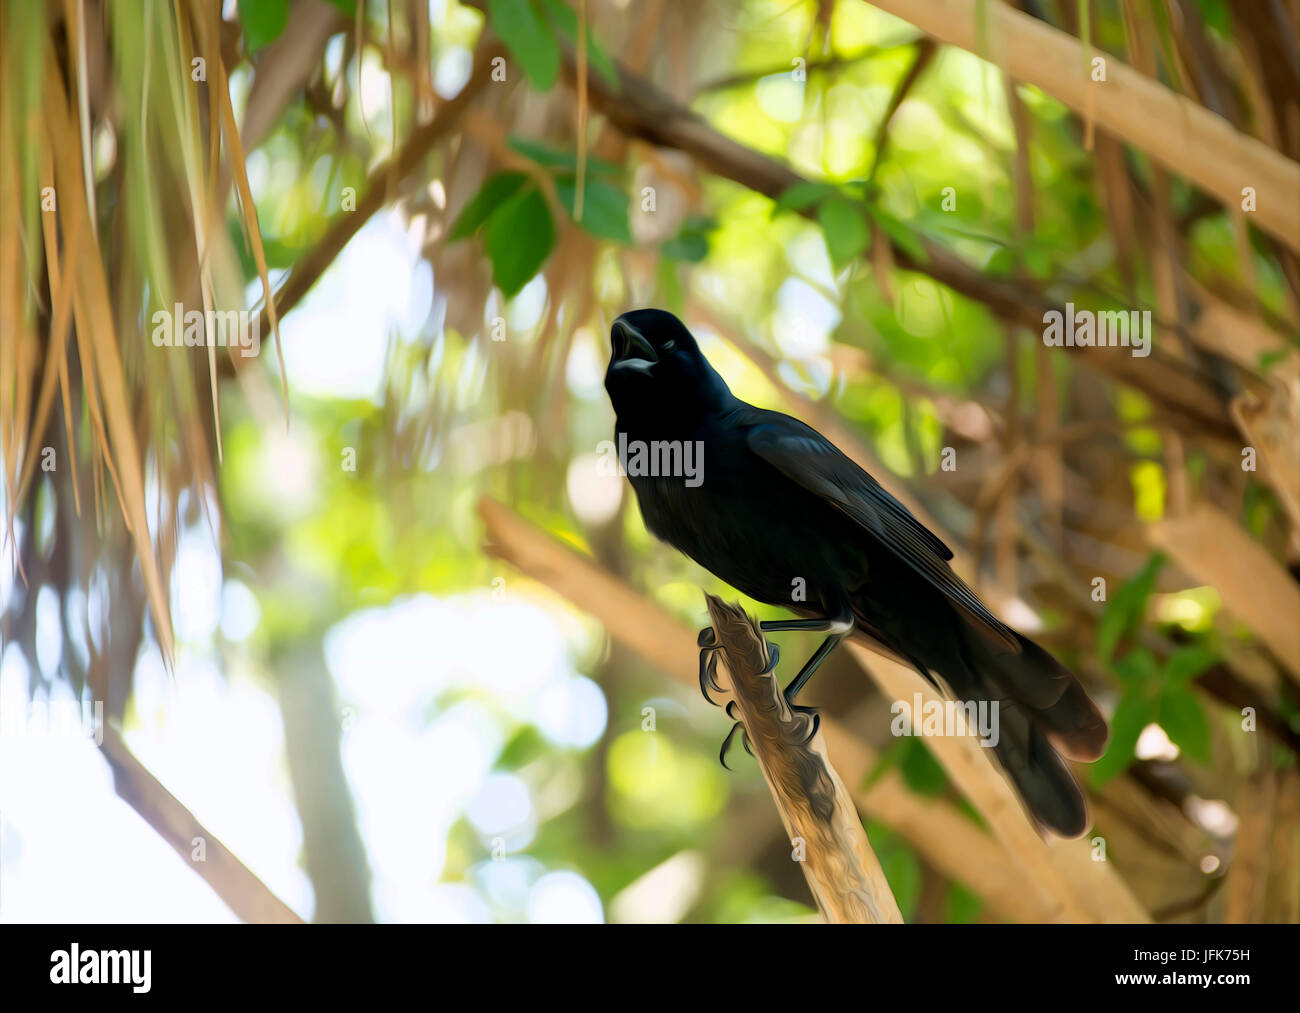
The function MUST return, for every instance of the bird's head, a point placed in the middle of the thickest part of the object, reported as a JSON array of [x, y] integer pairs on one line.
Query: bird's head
[[657, 371]]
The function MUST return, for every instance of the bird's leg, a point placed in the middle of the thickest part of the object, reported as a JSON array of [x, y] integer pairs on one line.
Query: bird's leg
[[708, 639], [709, 651], [816, 625], [837, 629]]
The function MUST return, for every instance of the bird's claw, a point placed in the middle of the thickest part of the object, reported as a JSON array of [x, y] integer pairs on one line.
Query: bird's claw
[[708, 665], [726, 743], [709, 651], [815, 723]]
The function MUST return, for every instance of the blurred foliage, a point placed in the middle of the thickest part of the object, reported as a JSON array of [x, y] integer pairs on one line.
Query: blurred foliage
[[518, 237]]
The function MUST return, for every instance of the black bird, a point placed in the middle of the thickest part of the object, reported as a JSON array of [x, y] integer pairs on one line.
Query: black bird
[[777, 506]]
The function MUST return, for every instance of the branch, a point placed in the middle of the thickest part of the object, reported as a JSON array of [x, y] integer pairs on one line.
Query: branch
[[1262, 884], [308, 270], [285, 66], [639, 109], [842, 871], [1080, 889], [941, 834], [333, 852], [1183, 136], [747, 78], [1210, 546], [925, 50], [245, 894]]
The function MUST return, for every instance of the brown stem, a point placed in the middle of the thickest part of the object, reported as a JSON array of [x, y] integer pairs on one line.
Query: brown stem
[[245, 894]]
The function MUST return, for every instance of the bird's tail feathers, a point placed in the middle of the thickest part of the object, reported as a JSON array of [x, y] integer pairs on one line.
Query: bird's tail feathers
[[1041, 709], [1054, 698]]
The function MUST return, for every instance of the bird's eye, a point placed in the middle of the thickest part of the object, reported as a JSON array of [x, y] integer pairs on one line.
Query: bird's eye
[[670, 344]]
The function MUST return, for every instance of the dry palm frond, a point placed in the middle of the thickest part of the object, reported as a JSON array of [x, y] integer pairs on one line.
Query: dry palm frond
[[81, 279]]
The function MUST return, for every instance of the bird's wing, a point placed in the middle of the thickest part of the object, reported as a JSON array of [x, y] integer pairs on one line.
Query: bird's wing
[[807, 458]]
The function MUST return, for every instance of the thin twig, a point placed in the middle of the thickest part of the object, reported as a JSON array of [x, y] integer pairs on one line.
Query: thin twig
[[834, 62], [925, 50], [246, 895]]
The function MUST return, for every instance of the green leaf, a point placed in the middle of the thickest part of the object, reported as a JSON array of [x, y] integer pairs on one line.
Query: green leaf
[[528, 38], [494, 191], [348, 7], [1126, 609], [1186, 663], [1114, 622], [889, 759], [1040, 262], [279, 254], [551, 158], [1183, 719], [845, 229], [963, 905], [899, 863], [861, 189], [1217, 15], [524, 746], [604, 207], [1269, 359], [263, 21], [1138, 669], [903, 873], [692, 242], [904, 237], [565, 18], [1135, 711], [519, 237], [802, 196], [1002, 263], [921, 770]]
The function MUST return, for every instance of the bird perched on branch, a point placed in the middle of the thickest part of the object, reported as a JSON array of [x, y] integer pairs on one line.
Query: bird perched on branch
[[769, 505]]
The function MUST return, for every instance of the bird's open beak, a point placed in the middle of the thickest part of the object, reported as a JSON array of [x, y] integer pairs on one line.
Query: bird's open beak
[[631, 349]]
